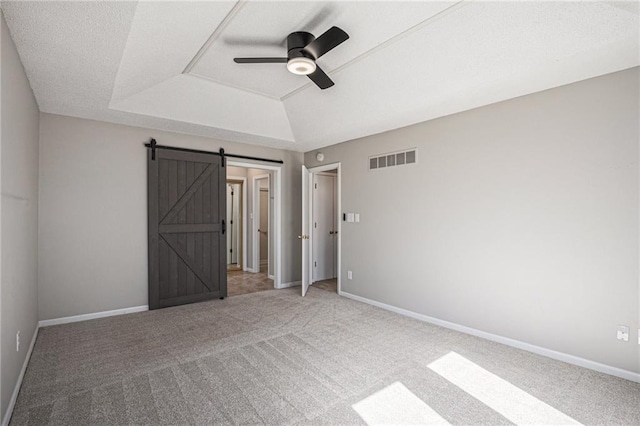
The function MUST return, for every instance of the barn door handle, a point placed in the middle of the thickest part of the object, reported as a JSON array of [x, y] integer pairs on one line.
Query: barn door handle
[[224, 227]]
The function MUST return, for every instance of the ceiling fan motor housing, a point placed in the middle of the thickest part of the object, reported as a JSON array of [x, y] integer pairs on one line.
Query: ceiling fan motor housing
[[296, 42], [303, 49]]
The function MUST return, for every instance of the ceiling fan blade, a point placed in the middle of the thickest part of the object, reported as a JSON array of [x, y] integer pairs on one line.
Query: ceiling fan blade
[[260, 60], [327, 41], [321, 79]]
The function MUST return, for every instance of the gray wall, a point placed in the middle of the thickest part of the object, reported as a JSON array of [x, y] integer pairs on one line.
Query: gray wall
[[93, 221], [520, 218], [19, 233]]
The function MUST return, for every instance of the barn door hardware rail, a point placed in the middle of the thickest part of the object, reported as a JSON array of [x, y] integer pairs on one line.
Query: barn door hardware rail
[[154, 145]]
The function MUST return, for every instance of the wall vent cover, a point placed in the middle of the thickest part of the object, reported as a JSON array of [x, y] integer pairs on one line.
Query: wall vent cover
[[392, 159]]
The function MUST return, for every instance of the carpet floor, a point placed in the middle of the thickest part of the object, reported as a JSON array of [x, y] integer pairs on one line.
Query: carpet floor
[[276, 358]]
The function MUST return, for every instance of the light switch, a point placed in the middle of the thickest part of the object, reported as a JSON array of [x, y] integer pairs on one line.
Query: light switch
[[357, 217], [350, 217]]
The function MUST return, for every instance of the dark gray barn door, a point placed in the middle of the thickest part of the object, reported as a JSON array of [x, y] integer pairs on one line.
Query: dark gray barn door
[[187, 208]]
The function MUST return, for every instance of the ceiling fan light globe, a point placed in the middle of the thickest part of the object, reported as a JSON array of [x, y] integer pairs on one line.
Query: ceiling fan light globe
[[301, 66]]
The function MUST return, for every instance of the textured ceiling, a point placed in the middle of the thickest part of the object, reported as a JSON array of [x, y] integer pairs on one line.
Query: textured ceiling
[[169, 65]]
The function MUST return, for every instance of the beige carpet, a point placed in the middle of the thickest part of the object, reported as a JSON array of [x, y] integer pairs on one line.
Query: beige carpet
[[276, 358]]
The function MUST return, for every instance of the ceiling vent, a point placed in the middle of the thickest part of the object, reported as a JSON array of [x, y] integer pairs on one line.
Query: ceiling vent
[[400, 158]]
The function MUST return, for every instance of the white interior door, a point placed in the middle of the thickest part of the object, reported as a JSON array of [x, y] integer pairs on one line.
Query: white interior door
[[306, 229], [323, 227]]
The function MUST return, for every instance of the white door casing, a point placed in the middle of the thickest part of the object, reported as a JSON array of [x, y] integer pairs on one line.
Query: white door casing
[[277, 214], [307, 208]]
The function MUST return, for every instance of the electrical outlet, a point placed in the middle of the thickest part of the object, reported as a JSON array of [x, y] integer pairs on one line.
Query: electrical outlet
[[18, 341], [349, 275], [623, 333]]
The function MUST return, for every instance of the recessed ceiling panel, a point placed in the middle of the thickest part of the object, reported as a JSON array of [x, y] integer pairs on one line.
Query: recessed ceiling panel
[[163, 38], [192, 100], [477, 55], [259, 29]]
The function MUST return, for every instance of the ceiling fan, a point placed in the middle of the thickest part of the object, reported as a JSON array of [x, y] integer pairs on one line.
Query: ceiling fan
[[303, 49]]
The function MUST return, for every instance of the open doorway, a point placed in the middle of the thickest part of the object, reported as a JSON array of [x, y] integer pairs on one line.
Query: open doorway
[[321, 228], [324, 230], [263, 224], [258, 253], [236, 204]]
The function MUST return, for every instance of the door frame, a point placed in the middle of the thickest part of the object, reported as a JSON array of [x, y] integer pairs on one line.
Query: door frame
[[314, 218], [243, 181], [318, 169], [277, 213], [255, 184]]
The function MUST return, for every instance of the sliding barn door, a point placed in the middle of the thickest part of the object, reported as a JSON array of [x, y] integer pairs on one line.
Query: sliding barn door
[[187, 245]]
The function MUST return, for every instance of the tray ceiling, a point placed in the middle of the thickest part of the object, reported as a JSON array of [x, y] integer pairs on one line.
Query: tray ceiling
[[169, 65]]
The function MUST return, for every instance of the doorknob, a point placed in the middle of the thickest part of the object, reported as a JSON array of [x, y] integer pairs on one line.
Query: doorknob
[[330, 232], [303, 237]]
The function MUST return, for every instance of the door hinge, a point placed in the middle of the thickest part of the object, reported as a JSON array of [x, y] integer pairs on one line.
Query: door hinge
[[316, 186], [315, 264], [230, 250]]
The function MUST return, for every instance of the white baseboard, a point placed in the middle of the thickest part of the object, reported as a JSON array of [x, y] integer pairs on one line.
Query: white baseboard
[[16, 389], [550, 353], [291, 284], [84, 317]]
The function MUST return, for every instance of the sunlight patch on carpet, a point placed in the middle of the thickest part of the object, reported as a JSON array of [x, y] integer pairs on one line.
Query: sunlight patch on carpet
[[396, 404], [498, 394]]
